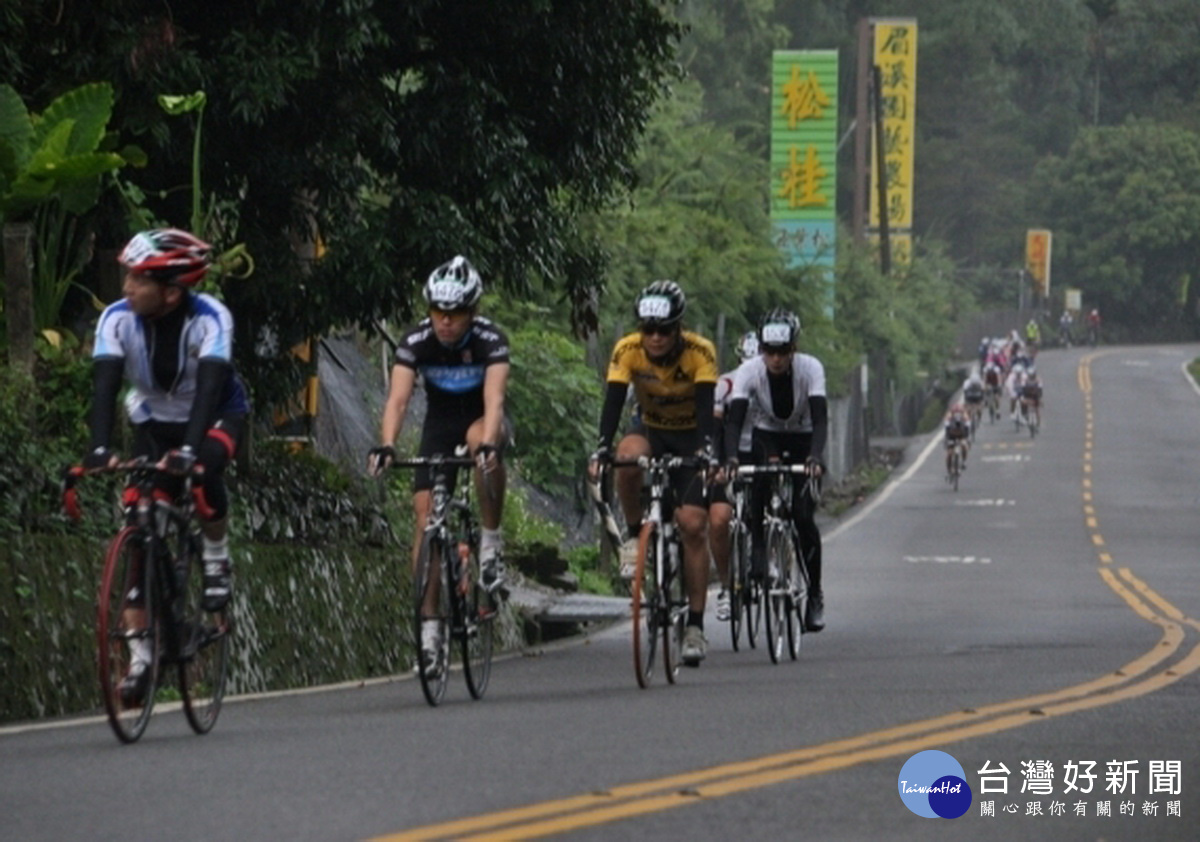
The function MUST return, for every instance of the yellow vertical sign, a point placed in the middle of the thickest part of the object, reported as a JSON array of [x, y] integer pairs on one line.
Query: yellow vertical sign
[[1037, 259], [895, 54]]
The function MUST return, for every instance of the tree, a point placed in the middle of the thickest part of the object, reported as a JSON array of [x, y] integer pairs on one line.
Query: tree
[[398, 134], [1124, 204]]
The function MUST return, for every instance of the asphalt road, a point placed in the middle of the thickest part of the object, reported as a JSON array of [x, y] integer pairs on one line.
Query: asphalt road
[[1039, 619]]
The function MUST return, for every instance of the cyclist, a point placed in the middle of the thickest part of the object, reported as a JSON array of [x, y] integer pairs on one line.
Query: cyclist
[[463, 360], [720, 511], [1033, 336], [1031, 397], [1094, 327], [791, 421], [973, 395], [1065, 321], [957, 432], [674, 375], [186, 403], [1012, 387]]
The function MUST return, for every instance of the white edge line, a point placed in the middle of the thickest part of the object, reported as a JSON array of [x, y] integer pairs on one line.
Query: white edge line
[[1191, 380]]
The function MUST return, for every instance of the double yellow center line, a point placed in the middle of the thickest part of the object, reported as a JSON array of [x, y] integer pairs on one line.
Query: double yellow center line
[[1147, 673]]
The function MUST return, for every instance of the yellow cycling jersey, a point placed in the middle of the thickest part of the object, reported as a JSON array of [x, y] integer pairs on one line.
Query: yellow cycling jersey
[[666, 395]]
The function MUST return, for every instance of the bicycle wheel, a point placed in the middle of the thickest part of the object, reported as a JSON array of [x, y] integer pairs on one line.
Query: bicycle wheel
[[647, 603], [433, 667], [775, 608], [797, 594], [203, 642], [127, 617], [478, 621], [955, 467], [752, 602], [672, 617], [737, 582]]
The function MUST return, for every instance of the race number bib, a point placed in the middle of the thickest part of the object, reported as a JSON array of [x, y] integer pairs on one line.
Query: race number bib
[[445, 291], [654, 307], [776, 334]]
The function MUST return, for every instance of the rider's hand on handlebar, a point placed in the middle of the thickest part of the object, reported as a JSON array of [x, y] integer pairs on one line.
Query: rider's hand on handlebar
[[99, 458], [179, 461], [597, 461], [379, 458], [815, 466]]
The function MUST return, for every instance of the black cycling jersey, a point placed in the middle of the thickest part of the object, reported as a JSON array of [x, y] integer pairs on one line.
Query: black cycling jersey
[[453, 376]]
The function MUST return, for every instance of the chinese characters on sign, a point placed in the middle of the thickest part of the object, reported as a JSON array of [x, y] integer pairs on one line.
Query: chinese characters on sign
[[895, 54], [1120, 788], [804, 156]]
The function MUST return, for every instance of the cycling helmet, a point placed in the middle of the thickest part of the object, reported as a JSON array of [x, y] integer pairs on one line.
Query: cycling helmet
[[661, 303], [167, 255], [779, 327], [748, 346], [454, 285]]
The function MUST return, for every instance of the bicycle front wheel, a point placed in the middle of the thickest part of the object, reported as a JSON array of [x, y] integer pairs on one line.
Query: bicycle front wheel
[[738, 564], [797, 589], [672, 617], [203, 643], [775, 606], [433, 664], [478, 622], [647, 603], [127, 624]]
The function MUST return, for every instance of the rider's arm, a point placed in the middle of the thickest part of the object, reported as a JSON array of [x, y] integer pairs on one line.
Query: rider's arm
[[610, 414], [705, 422], [735, 417], [495, 382], [211, 375], [403, 380], [106, 382]]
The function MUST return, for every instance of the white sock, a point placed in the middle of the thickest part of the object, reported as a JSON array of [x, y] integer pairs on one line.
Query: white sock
[[491, 542], [139, 651], [216, 550]]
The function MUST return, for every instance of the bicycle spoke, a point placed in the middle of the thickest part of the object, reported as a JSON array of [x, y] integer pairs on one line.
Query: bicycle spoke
[[478, 618]]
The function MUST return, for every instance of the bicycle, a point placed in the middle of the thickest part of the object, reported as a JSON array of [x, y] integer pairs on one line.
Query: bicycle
[[659, 605], [786, 586], [465, 611], [975, 413], [156, 607], [1029, 415], [954, 464], [745, 592]]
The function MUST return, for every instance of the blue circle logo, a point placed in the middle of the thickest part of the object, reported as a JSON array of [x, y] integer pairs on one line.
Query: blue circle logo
[[933, 784]]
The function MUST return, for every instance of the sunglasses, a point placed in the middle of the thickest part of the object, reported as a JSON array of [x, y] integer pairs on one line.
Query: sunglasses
[[777, 350], [658, 330]]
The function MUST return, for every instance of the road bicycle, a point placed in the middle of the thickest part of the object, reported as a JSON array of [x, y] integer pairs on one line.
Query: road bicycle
[[785, 584], [993, 403], [658, 602], [954, 463], [745, 591], [151, 599], [1029, 416], [447, 576], [975, 413]]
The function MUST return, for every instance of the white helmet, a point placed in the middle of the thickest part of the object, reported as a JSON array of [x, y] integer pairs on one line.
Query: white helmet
[[748, 346]]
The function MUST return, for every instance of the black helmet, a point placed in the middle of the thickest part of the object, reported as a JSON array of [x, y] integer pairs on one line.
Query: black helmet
[[778, 327], [661, 303], [454, 285]]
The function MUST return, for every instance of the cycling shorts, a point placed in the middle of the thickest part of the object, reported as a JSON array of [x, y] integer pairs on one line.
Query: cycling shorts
[[677, 443]]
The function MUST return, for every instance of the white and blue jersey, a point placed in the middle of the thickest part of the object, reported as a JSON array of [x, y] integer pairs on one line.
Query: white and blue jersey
[[206, 333], [453, 377]]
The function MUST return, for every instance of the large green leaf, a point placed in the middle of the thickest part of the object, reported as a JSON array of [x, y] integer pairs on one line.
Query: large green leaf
[[51, 150], [88, 107], [16, 131]]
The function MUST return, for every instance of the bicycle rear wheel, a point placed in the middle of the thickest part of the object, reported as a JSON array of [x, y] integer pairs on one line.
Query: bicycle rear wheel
[[203, 643], [647, 603], [478, 621], [775, 607], [433, 666], [127, 617]]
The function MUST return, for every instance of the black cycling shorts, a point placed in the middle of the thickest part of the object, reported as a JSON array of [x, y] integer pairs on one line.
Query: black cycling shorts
[[441, 438], [677, 443]]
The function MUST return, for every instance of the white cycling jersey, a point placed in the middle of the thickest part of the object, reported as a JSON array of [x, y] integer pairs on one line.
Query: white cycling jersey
[[721, 400], [207, 333], [808, 381]]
